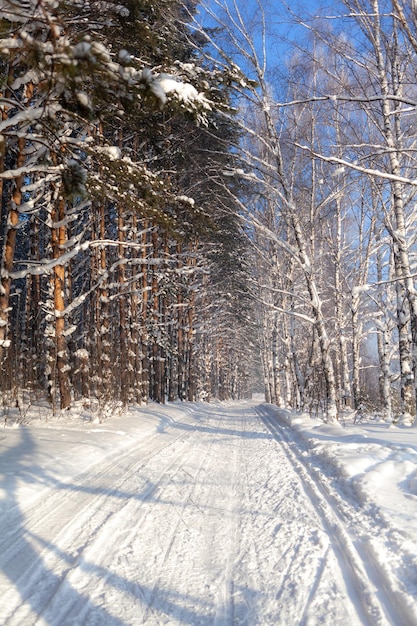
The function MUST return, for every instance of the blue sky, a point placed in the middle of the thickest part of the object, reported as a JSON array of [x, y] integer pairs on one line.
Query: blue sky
[[281, 23]]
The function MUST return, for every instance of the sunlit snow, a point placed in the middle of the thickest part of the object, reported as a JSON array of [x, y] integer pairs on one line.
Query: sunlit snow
[[228, 513]]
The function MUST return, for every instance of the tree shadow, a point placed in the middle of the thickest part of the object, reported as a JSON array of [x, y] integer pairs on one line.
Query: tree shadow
[[39, 586], [218, 429], [18, 558]]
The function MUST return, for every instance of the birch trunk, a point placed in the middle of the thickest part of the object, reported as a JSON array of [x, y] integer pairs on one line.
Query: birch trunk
[[402, 260], [291, 215], [345, 392], [384, 343], [356, 361]]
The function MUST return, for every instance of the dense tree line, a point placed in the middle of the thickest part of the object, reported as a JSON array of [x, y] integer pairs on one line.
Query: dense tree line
[[123, 274], [140, 155], [327, 120]]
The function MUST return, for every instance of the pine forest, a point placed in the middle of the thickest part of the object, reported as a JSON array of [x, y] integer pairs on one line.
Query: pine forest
[[205, 200]]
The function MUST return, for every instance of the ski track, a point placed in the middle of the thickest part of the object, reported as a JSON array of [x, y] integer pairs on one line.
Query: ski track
[[352, 535], [217, 521]]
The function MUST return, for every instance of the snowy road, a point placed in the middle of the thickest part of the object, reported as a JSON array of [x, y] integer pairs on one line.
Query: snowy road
[[212, 518]]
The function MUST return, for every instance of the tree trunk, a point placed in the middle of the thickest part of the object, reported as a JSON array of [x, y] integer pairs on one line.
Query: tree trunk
[[144, 334], [9, 249], [402, 260], [58, 239], [355, 350], [123, 370], [103, 321], [135, 354], [344, 389]]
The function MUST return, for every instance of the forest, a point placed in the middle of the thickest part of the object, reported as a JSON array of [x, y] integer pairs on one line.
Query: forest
[[203, 200]]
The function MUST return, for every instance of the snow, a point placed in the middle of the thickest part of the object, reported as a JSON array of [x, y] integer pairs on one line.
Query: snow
[[185, 91], [186, 199], [212, 514], [112, 152], [163, 84], [83, 99]]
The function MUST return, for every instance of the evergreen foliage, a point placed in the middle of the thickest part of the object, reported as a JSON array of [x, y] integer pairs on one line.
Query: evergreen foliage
[[112, 237]]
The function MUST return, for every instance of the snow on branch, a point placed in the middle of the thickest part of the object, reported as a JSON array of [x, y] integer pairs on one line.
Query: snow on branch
[[31, 169], [359, 168], [274, 307], [162, 85], [337, 98]]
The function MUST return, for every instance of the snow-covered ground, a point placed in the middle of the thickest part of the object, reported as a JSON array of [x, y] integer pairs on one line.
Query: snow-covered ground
[[233, 513]]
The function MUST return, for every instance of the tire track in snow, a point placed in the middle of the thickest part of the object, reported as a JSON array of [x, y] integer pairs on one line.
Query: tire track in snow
[[282, 543], [40, 506], [93, 555], [250, 543], [191, 581], [225, 609], [362, 579], [35, 582], [195, 581], [172, 536]]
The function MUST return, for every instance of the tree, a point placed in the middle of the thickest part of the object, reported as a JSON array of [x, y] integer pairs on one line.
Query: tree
[[274, 160], [105, 138]]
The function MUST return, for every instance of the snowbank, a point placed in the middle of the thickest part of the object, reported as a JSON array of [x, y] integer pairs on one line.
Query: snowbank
[[375, 463]]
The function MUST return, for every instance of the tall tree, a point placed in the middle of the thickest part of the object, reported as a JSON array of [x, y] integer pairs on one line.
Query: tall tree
[[106, 128]]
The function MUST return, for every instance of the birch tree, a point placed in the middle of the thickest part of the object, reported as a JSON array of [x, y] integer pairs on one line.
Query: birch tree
[[244, 46], [381, 57]]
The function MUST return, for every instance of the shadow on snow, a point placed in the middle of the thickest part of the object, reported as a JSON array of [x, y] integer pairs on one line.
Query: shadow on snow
[[37, 583]]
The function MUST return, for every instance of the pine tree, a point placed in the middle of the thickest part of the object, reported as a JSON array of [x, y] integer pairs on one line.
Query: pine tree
[[107, 128]]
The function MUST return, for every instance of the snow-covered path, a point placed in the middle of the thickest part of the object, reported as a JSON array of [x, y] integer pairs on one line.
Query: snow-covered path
[[212, 518]]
